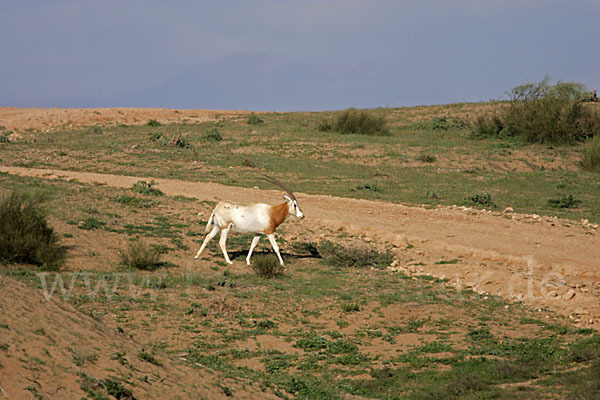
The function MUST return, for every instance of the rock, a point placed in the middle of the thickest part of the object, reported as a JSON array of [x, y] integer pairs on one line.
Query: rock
[[508, 210], [569, 295]]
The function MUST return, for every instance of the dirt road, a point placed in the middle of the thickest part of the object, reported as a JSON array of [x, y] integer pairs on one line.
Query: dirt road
[[542, 261]]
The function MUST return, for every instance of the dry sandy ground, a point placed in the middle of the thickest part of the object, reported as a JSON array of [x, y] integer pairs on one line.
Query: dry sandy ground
[[51, 119]]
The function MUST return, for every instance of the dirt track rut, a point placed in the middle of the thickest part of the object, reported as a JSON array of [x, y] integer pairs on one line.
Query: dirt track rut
[[542, 261]]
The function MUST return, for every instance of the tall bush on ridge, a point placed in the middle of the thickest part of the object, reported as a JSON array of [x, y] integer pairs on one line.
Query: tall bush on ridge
[[545, 113]]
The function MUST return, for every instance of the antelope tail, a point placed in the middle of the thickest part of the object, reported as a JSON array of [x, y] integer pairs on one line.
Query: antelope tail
[[210, 221]]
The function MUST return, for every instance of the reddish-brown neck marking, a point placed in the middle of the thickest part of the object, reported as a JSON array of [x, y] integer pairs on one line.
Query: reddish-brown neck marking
[[278, 214]]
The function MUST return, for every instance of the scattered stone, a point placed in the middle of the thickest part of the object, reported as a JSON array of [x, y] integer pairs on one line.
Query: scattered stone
[[569, 295], [508, 210]]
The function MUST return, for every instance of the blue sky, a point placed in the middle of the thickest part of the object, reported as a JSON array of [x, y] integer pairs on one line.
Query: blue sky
[[289, 55]]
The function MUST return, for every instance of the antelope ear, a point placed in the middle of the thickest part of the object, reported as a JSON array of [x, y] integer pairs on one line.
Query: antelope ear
[[287, 198]]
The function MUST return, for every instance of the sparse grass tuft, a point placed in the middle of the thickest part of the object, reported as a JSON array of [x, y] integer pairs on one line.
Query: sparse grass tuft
[[180, 142], [141, 256], [148, 357], [25, 235], [360, 257], [370, 187], [136, 202], [267, 265], [146, 188], [91, 223], [95, 130]]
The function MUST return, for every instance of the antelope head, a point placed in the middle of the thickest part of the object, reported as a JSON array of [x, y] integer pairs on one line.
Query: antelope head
[[288, 196]]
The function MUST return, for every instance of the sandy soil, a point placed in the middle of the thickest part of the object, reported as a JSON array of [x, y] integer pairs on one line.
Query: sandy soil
[[21, 120]]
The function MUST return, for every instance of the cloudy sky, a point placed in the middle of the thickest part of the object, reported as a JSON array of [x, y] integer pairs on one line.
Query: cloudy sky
[[289, 55]]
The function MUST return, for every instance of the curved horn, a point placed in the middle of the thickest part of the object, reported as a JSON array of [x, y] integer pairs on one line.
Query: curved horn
[[281, 185]]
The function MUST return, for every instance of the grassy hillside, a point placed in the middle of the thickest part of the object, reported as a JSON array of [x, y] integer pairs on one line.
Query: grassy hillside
[[430, 156]]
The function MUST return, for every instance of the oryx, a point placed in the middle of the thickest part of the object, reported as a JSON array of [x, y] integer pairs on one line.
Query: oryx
[[259, 218]]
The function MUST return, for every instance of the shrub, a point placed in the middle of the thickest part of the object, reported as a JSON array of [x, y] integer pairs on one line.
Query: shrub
[[153, 123], [359, 122], [25, 235], [480, 200], [427, 158], [141, 256], [325, 125], [564, 201], [488, 126], [146, 188], [267, 265], [591, 156], [443, 124], [254, 119], [544, 113], [213, 136]]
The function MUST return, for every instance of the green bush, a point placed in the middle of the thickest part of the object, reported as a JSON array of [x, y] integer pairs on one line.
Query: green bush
[[544, 113], [153, 123], [488, 126], [267, 265], [354, 121], [564, 201], [591, 156], [444, 124], [25, 235], [254, 119], [213, 136], [139, 255], [480, 200]]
